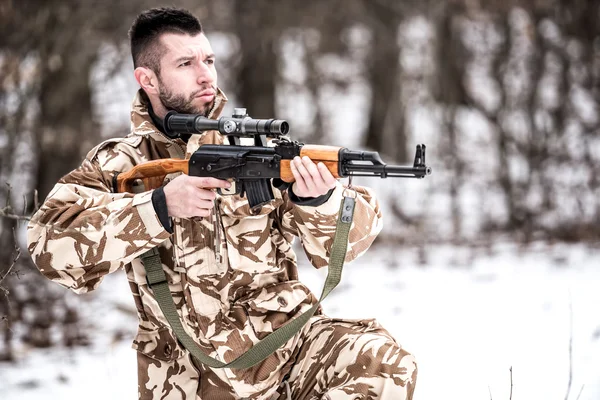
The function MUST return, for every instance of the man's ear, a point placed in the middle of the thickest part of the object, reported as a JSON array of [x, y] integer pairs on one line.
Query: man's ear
[[147, 79]]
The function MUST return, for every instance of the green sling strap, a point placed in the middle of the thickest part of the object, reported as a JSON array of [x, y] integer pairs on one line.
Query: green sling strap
[[158, 283]]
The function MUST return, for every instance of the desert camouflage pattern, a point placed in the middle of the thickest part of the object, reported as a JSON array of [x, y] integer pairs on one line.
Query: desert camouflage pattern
[[350, 359], [231, 288]]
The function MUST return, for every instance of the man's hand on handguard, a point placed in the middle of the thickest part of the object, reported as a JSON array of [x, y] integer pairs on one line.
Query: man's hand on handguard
[[191, 196], [312, 180]]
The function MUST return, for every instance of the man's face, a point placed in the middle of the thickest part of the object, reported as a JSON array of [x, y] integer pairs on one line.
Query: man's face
[[188, 78]]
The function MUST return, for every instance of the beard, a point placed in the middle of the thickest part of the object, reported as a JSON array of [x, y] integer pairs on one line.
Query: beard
[[184, 105]]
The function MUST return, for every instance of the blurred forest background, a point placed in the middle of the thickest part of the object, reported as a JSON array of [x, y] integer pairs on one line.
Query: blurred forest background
[[504, 93]]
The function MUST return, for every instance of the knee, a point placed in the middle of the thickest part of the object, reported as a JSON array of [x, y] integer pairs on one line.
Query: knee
[[405, 372], [399, 367], [384, 357], [381, 371], [408, 363], [173, 379]]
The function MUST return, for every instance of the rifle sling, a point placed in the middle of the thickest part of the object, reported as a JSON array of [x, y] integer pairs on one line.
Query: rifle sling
[[158, 283]]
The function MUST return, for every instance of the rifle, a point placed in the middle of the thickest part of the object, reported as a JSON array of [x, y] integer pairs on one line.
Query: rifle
[[252, 167]]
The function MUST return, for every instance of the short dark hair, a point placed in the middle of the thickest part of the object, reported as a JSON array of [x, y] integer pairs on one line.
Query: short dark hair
[[150, 25]]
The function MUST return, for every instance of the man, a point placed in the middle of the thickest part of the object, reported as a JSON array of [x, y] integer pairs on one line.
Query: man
[[232, 273]]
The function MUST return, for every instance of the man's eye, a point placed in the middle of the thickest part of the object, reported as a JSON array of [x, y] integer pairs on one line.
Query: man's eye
[[185, 64], [210, 61]]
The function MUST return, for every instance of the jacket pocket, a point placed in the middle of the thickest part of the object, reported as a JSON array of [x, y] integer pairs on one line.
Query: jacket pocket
[[159, 344], [274, 305]]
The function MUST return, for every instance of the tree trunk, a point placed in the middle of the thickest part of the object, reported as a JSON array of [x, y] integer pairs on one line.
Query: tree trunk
[[258, 68], [66, 132], [386, 130]]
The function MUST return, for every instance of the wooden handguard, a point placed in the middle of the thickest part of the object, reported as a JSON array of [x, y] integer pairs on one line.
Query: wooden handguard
[[328, 155], [151, 173]]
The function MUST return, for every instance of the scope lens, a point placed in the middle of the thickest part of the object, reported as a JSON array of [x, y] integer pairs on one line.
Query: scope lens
[[285, 128]]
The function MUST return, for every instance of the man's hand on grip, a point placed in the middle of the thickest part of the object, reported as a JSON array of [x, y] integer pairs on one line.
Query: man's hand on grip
[[312, 180], [191, 196]]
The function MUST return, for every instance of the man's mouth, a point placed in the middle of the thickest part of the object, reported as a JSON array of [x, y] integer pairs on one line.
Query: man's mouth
[[206, 95]]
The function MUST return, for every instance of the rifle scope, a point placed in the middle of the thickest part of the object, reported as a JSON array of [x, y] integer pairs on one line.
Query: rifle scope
[[236, 125]]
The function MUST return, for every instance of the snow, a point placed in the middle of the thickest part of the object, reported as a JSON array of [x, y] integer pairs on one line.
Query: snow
[[468, 314]]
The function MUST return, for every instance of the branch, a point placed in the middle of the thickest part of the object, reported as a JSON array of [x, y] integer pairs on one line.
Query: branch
[[13, 263], [17, 254], [8, 212]]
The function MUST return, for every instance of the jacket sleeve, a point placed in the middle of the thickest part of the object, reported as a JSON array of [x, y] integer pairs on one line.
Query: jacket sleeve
[[83, 232], [315, 226]]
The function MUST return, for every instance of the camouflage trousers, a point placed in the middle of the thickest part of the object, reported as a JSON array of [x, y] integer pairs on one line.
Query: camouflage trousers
[[336, 359]]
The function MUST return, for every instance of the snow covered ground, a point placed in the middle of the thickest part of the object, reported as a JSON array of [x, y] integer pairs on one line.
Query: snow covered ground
[[468, 315]]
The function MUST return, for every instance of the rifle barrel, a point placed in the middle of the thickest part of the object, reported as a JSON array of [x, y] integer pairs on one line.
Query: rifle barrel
[[385, 171]]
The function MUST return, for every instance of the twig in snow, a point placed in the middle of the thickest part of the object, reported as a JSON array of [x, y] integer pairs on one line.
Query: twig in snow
[[511, 383], [580, 390], [570, 348]]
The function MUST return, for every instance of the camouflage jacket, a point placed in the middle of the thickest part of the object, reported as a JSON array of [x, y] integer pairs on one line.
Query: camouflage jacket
[[84, 231]]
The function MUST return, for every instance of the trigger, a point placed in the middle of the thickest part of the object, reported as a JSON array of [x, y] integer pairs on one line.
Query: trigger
[[228, 192]]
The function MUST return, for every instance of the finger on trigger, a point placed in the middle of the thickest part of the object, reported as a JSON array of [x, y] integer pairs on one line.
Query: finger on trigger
[[221, 183], [206, 182]]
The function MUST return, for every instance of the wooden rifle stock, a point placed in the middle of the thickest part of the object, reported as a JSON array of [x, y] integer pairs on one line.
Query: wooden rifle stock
[[151, 173]]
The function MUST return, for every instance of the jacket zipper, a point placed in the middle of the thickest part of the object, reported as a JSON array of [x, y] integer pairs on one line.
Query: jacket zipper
[[217, 216], [217, 229], [180, 147]]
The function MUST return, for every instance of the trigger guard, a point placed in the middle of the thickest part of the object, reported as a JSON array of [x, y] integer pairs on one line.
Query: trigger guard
[[232, 190]]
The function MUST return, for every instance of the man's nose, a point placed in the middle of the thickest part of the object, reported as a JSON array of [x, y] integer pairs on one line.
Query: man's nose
[[205, 74]]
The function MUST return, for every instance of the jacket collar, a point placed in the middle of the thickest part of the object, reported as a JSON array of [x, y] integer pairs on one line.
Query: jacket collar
[[141, 121]]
